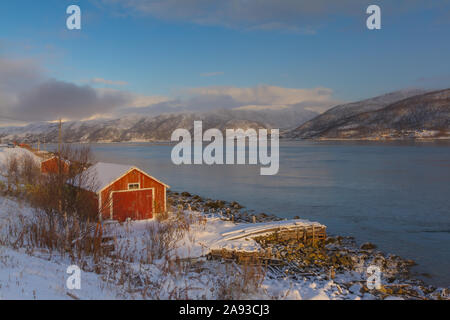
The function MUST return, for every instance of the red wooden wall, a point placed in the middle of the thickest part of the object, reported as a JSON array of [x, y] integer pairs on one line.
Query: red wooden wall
[[51, 166], [134, 176]]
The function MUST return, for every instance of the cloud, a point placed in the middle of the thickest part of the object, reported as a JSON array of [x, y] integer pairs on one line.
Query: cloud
[[262, 97], [140, 101], [441, 80], [211, 74], [286, 28], [108, 82], [16, 74], [300, 16], [27, 94], [265, 94], [54, 99]]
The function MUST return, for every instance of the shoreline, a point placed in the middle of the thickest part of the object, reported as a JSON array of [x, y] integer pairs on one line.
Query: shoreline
[[338, 255], [169, 142]]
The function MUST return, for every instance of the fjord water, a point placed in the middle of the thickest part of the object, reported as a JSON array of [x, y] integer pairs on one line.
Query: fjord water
[[394, 194]]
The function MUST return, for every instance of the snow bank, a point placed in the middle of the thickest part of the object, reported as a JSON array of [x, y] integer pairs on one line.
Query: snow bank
[[27, 277], [7, 153]]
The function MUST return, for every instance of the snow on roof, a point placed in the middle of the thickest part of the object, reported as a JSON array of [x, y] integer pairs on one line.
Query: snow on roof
[[106, 173]]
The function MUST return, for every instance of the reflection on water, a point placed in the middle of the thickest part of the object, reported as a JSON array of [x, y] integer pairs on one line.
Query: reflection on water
[[393, 194]]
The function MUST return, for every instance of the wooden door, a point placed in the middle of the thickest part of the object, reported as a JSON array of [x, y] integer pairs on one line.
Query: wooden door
[[134, 204]]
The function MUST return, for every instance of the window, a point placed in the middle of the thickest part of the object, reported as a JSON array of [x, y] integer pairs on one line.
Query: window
[[133, 186]]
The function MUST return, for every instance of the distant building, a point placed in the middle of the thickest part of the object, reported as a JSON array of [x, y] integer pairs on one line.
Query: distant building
[[51, 165], [25, 146]]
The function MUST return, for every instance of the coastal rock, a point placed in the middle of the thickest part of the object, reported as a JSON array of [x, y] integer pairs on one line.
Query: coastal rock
[[368, 246], [236, 205], [355, 288]]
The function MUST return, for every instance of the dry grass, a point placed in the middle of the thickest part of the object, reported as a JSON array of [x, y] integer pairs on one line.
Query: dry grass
[[240, 281], [55, 235]]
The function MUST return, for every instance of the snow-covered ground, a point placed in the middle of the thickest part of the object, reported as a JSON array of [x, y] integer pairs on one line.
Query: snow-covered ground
[[6, 152], [35, 276], [19, 153], [25, 275]]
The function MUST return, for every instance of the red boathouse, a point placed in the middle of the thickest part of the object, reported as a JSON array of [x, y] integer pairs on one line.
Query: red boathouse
[[126, 192]]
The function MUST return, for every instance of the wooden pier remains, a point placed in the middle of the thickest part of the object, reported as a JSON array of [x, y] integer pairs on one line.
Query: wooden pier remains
[[307, 235]]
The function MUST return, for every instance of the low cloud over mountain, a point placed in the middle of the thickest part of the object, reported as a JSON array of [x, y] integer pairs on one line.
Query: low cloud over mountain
[[29, 95]]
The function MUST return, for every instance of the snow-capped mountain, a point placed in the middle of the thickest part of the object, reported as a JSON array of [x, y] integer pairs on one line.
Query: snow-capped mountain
[[154, 128], [399, 114]]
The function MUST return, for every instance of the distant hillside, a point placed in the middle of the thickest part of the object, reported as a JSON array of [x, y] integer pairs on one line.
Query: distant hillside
[[157, 128], [339, 114], [425, 115]]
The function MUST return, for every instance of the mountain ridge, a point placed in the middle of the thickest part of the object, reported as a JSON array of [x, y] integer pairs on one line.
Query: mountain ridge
[[425, 115], [152, 128]]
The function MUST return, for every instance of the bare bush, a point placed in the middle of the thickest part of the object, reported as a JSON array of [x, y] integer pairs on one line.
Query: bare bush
[[65, 206], [30, 172], [160, 240], [72, 237], [69, 191], [12, 167], [240, 281]]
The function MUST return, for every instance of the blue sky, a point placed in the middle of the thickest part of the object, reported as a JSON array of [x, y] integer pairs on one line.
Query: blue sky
[[147, 49]]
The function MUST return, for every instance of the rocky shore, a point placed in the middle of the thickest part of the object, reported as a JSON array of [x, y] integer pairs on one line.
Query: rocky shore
[[339, 259]]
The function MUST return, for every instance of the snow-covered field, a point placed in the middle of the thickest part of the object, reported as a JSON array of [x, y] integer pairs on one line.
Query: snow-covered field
[[38, 275], [8, 153], [27, 277]]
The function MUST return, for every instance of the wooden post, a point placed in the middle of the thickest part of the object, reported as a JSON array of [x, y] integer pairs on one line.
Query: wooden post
[[59, 137], [314, 236], [254, 219], [305, 231]]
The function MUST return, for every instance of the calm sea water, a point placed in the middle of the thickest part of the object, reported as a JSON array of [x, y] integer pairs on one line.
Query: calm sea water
[[396, 195]]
